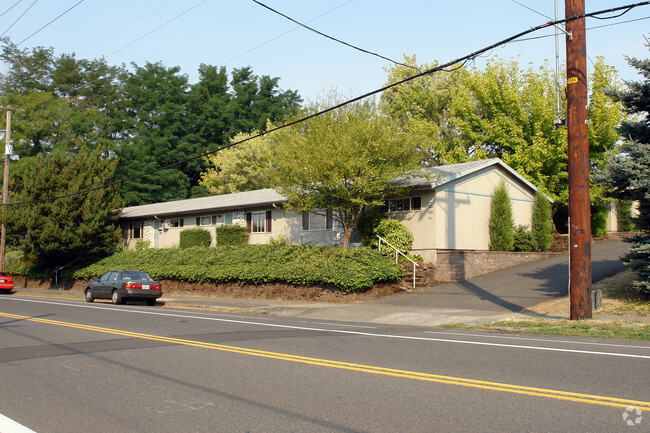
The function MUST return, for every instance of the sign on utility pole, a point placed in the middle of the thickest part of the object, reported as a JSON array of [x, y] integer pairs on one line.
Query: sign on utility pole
[[577, 129]]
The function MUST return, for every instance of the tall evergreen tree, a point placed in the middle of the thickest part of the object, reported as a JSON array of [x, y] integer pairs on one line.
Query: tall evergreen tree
[[627, 175], [58, 232], [502, 237], [541, 224]]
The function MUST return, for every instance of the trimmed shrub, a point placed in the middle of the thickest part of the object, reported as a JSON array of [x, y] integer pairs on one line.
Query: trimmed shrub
[[396, 233], [524, 240], [501, 220], [232, 234], [541, 225], [624, 215], [350, 270], [598, 220], [195, 238], [142, 244]]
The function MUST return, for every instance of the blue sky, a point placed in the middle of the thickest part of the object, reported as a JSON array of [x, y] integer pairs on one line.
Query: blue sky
[[237, 33]]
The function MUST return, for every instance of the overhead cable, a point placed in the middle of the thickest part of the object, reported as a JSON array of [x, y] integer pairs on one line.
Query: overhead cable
[[157, 28], [10, 8], [333, 38], [279, 36], [342, 104], [126, 26], [18, 19], [69, 9]]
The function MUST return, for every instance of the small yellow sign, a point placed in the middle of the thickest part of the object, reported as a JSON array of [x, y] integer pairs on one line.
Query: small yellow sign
[[572, 80]]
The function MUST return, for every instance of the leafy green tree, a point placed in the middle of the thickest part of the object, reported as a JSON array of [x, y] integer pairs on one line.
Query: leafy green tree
[[68, 103], [626, 173], [159, 135], [502, 111], [501, 220], [542, 226], [343, 161], [244, 167], [425, 105], [58, 232]]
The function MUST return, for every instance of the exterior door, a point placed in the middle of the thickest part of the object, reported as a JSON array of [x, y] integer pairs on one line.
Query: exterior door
[[156, 233]]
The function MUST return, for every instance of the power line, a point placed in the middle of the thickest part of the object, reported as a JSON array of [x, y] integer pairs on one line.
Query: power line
[[202, 31], [438, 68], [69, 9], [280, 35], [127, 26], [158, 28], [18, 19], [333, 38], [10, 8]]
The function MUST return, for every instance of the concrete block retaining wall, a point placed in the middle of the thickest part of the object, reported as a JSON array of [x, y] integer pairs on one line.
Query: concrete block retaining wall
[[463, 265]]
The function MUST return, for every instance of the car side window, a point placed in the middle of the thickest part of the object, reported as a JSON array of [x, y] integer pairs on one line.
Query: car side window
[[105, 277], [113, 276]]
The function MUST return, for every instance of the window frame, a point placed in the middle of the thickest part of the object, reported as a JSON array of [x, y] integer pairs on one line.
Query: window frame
[[254, 218], [307, 224], [137, 227], [406, 204]]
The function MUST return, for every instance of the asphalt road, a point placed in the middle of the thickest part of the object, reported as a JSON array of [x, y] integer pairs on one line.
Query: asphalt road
[[68, 366]]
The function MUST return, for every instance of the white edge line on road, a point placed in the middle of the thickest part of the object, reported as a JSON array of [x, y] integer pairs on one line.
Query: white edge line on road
[[550, 340], [7, 425], [339, 331]]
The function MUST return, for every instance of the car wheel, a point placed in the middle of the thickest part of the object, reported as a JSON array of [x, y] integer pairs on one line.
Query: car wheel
[[89, 295], [117, 298], [150, 302]]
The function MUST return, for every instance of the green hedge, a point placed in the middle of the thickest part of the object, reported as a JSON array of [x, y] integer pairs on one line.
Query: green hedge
[[231, 234], [195, 238], [349, 270]]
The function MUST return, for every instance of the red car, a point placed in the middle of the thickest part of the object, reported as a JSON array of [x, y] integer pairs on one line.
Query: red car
[[6, 282]]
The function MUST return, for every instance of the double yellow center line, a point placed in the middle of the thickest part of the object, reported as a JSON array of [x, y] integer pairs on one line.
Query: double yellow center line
[[413, 375]]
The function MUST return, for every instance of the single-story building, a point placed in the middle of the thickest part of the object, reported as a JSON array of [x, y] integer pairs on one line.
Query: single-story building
[[449, 209]]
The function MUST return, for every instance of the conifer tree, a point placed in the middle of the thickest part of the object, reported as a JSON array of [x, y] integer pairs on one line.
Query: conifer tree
[[541, 224], [627, 175], [502, 236]]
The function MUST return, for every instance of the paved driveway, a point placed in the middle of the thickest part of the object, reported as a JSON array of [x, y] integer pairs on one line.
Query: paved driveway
[[516, 288]]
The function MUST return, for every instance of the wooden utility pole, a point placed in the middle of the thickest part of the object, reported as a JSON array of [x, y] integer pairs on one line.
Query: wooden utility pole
[[5, 187], [577, 128]]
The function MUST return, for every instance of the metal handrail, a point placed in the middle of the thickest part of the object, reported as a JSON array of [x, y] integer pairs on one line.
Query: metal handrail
[[396, 257]]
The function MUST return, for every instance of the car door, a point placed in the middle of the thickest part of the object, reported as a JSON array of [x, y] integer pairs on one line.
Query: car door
[[103, 288]]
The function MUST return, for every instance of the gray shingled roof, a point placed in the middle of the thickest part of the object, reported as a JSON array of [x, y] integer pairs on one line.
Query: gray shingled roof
[[437, 176], [247, 199]]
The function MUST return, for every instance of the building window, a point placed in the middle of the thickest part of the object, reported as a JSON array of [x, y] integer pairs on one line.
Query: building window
[[228, 218], [205, 220], [136, 230], [176, 222], [402, 204], [259, 222], [318, 220]]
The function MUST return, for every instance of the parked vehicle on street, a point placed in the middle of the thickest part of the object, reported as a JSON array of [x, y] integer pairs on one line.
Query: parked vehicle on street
[[122, 285], [6, 282]]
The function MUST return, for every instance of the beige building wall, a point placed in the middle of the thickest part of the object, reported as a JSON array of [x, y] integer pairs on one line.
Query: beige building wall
[[457, 216]]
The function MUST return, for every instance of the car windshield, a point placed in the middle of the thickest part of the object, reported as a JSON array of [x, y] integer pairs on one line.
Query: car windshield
[[135, 275]]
